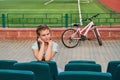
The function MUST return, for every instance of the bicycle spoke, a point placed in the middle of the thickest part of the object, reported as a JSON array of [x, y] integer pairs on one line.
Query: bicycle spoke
[[67, 40]]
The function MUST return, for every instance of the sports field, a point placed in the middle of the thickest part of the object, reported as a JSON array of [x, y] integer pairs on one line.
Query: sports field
[[53, 6], [50, 6], [38, 6]]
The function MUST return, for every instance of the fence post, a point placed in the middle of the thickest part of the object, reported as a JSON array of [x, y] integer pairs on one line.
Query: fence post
[[66, 20], [3, 20]]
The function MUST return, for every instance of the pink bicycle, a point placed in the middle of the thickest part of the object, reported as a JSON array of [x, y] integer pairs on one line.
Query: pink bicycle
[[71, 37]]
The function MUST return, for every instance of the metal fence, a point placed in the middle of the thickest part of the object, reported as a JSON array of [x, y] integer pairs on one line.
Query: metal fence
[[31, 20]]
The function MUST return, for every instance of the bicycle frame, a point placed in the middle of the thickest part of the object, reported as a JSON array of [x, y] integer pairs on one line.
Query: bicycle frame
[[71, 37], [83, 31]]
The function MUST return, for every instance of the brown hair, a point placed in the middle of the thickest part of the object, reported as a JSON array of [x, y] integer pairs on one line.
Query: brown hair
[[38, 30]]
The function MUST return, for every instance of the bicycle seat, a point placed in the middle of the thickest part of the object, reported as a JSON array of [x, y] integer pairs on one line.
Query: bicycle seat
[[77, 25]]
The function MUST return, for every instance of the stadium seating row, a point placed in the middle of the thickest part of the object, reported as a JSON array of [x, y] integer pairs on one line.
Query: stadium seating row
[[74, 70]]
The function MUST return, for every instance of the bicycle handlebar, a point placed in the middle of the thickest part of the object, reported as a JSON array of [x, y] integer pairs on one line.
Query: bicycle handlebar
[[91, 18], [95, 16]]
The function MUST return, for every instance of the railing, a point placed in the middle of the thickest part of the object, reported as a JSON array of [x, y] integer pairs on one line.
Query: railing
[[29, 20]]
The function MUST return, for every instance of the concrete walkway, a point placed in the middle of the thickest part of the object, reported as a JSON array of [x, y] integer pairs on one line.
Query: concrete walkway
[[88, 50]]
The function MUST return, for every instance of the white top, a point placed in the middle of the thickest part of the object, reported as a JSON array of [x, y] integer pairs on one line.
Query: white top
[[54, 47]]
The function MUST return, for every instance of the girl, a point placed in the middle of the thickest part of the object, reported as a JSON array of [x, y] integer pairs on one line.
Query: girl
[[44, 49]]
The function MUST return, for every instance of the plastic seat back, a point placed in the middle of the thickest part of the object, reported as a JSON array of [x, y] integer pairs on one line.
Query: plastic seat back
[[112, 66], [117, 74], [82, 61], [41, 70], [16, 75], [52, 66], [84, 75], [7, 64], [83, 67]]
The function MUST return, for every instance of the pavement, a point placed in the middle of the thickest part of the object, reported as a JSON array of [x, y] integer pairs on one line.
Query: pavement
[[21, 51]]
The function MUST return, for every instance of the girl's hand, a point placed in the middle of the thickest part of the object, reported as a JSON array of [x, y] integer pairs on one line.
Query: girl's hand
[[40, 40], [50, 42]]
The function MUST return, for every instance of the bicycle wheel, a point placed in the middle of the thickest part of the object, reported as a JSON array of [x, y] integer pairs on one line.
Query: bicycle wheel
[[67, 40], [98, 37]]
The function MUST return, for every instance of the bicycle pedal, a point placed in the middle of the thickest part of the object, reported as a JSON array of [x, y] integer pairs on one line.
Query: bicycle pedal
[[83, 38]]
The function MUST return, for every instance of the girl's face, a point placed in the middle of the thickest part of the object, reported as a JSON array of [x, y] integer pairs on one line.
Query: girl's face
[[45, 35]]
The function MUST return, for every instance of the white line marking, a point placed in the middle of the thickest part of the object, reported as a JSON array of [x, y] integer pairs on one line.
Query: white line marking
[[48, 2], [80, 17], [85, 1]]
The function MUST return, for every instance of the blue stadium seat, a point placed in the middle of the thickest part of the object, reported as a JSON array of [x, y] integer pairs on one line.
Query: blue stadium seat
[[52, 66], [111, 68], [7, 64], [41, 70], [84, 75], [117, 73], [16, 75], [82, 67], [82, 61]]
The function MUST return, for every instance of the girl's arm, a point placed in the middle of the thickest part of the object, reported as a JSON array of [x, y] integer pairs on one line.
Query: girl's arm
[[38, 57], [49, 53], [38, 53]]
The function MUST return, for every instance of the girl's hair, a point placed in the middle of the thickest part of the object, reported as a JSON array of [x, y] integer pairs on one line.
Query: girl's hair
[[39, 29]]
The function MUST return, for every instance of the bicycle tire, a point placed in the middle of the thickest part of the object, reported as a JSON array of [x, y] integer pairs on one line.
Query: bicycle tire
[[98, 37], [66, 39]]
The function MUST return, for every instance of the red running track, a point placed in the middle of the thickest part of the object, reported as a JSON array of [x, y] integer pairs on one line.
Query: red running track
[[113, 4]]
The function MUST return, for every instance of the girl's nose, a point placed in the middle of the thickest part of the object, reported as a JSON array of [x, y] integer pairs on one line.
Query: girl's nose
[[46, 36]]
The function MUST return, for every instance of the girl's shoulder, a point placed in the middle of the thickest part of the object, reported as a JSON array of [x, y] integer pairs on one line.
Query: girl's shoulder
[[35, 45], [54, 43], [55, 47]]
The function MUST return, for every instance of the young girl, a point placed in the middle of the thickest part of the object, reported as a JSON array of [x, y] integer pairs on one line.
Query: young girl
[[44, 49]]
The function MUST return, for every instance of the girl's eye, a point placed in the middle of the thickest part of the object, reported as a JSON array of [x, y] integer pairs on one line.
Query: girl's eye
[[48, 33], [43, 35]]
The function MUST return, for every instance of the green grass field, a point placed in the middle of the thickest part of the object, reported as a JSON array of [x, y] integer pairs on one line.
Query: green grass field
[[56, 6], [36, 7]]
